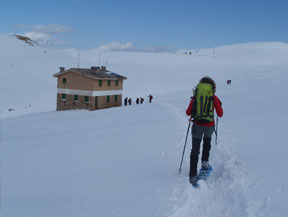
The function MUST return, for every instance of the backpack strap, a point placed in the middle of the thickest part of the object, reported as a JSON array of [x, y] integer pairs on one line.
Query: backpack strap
[[201, 107], [211, 99], [205, 109], [205, 105]]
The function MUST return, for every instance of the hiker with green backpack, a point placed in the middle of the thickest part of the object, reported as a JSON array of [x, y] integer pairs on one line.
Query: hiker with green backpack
[[201, 110]]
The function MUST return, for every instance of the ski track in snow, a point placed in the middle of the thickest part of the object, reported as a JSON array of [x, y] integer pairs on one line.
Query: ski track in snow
[[228, 182]]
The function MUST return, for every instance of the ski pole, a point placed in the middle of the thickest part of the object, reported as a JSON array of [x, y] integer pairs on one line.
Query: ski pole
[[184, 146], [216, 131]]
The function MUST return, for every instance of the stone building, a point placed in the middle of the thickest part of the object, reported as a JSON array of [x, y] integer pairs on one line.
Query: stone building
[[91, 89]]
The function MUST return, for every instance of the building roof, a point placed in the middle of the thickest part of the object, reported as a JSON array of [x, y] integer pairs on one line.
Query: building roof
[[94, 73]]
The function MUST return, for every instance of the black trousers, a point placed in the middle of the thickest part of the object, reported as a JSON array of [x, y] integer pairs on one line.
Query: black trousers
[[199, 132]]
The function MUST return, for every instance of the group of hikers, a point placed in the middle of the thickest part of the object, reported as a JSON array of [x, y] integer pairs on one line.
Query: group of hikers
[[201, 111], [128, 101]]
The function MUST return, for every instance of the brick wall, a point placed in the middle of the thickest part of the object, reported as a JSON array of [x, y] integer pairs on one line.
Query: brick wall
[[80, 82], [94, 103]]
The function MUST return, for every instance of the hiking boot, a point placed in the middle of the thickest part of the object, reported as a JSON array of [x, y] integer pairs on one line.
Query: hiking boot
[[205, 165], [194, 181]]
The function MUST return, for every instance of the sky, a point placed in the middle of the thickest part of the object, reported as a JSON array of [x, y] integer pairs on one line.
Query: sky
[[145, 25]]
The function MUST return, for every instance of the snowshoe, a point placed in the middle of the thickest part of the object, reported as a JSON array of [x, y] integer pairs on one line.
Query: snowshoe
[[194, 181], [205, 172]]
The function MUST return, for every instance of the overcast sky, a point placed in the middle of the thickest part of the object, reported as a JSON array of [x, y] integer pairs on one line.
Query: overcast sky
[[146, 24]]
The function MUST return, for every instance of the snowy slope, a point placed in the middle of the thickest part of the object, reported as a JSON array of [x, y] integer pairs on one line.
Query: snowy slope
[[124, 161]]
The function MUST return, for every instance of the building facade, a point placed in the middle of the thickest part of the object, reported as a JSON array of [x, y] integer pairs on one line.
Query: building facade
[[91, 89]]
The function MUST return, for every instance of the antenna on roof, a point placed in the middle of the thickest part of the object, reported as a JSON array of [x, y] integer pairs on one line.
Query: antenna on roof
[[99, 59], [78, 58]]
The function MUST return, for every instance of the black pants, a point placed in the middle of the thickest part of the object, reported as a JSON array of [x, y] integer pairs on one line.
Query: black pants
[[199, 132]]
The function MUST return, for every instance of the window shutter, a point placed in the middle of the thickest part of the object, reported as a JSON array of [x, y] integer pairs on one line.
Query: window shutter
[[63, 96]]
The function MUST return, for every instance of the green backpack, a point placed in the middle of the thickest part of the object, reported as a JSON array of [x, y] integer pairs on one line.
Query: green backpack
[[202, 109]]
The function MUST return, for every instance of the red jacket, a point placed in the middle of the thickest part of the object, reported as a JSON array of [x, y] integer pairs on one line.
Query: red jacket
[[216, 104]]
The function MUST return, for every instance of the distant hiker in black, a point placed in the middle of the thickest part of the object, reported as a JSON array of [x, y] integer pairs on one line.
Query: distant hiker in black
[[137, 101], [141, 100], [125, 101], [150, 98], [130, 101], [201, 109]]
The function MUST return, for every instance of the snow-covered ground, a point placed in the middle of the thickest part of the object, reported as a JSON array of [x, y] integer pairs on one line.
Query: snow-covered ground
[[124, 161]]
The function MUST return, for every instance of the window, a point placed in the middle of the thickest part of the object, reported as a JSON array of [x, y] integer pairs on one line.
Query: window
[[116, 83], [75, 98], [86, 98], [64, 80], [63, 96], [100, 83], [107, 99], [116, 98], [109, 83]]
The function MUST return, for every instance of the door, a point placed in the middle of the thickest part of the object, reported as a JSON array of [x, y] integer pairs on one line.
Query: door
[[96, 102]]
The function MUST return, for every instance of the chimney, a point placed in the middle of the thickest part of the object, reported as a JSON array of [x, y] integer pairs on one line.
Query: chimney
[[95, 68], [62, 69]]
